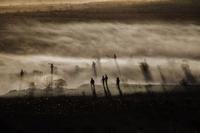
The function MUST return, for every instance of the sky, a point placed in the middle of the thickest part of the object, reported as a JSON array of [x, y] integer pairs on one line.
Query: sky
[[19, 2], [46, 5]]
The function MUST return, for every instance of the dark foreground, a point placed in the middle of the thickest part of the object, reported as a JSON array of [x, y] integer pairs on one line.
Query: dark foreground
[[140, 113]]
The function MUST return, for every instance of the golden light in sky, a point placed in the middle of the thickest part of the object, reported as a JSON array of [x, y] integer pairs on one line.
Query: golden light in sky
[[33, 2]]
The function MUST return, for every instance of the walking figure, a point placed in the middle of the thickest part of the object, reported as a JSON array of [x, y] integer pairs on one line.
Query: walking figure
[[103, 82], [106, 82], [118, 86], [52, 72], [92, 83], [21, 78]]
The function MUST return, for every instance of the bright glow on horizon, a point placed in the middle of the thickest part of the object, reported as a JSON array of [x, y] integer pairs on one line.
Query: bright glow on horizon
[[38, 2]]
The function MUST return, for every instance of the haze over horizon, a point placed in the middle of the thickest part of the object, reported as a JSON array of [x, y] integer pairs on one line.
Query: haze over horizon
[[31, 41], [74, 46], [30, 2]]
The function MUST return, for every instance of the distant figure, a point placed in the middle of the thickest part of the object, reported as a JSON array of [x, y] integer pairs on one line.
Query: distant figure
[[115, 56], [106, 79], [52, 68], [118, 86], [118, 81], [103, 82], [92, 83], [106, 82], [22, 74], [52, 72]]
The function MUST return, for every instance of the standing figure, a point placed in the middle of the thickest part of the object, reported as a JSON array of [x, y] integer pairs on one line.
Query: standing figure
[[106, 82], [21, 78], [118, 86], [22, 74], [52, 72], [103, 82], [118, 82], [92, 83]]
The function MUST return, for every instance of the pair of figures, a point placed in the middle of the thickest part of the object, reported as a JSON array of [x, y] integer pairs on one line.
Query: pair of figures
[[105, 85]]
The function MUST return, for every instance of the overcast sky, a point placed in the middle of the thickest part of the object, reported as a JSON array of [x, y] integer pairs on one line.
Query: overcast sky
[[20, 2]]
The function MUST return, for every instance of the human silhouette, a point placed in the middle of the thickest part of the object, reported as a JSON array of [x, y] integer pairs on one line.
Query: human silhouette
[[21, 78], [52, 72], [52, 68], [107, 88], [118, 86], [103, 82], [22, 74], [115, 56], [92, 83]]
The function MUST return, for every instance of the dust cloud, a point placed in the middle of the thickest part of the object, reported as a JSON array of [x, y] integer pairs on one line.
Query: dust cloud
[[72, 47]]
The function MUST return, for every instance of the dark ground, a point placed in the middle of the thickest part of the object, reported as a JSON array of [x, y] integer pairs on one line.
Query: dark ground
[[141, 113]]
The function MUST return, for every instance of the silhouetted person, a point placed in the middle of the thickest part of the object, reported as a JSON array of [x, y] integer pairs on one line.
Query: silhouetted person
[[115, 56], [22, 74], [103, 82], [118, 86], [92, 83], [52, 72], [106, 82], [52, 68], [21, 78], [106, 79], [118, 81]]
